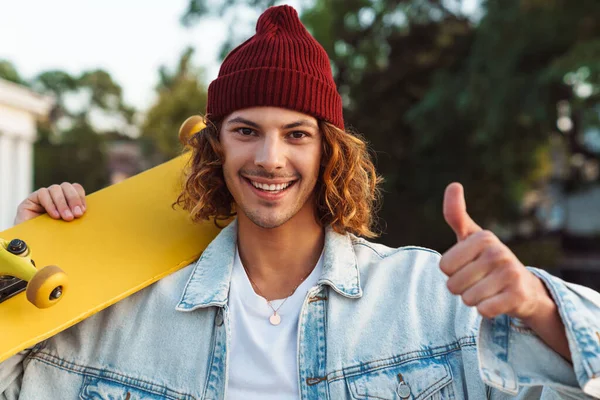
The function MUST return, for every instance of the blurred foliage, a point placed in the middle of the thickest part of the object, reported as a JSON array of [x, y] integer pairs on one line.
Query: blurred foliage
[[232, 11], [80, 157], [9, 73], [181, 94], [69, 146], [96, 92], [544, 251], [443, 96]]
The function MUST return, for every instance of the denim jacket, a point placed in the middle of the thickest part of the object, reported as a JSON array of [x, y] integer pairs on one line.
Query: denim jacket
[[380, 324]]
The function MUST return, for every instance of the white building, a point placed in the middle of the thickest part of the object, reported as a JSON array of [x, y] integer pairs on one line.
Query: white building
[[20, 108]]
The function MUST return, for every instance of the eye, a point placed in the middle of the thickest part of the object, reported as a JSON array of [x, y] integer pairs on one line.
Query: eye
[[246, 131], [298, 135]]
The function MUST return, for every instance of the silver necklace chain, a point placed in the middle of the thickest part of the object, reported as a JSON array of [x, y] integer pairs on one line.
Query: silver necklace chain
[[274, 319]]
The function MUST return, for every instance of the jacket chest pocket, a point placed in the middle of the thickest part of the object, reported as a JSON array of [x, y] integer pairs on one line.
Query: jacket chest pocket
[[96, 388], [427, 378]]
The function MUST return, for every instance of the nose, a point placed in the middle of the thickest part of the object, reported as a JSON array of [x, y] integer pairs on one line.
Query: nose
[[270, 154]]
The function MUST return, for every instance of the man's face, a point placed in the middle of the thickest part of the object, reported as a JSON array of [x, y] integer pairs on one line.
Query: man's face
[[272, 159]]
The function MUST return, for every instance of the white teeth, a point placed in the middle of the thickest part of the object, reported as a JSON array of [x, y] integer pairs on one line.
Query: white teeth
[[272, 187]]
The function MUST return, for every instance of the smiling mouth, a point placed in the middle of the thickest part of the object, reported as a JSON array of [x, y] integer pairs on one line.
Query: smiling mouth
[[271, 188]]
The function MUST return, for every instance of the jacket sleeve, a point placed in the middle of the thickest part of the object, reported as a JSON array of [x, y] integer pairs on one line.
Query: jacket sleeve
[[512, 357], [11, 376]]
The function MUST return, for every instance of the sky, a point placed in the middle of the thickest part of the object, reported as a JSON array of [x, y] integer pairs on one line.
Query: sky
[[130, 39]]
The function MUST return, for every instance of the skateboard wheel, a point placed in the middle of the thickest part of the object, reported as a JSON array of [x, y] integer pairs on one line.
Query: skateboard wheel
[[47, 286], [191, 126]]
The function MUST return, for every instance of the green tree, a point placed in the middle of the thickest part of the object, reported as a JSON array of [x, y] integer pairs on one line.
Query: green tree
[[181, 94], [79, 157], [9, 72]]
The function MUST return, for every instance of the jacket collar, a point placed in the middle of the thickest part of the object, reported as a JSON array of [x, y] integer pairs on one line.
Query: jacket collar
[[209, 283]]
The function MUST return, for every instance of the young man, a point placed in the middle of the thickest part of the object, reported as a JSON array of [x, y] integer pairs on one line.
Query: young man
[[288, 302]]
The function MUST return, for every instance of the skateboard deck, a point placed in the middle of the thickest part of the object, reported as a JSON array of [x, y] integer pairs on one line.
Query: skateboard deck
[[129, 238]]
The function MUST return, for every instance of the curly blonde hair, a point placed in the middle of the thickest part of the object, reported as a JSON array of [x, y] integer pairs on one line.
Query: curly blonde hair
[[348, 192]]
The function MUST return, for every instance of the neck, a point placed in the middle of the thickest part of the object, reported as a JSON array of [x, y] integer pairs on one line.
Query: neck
[[278, 259]]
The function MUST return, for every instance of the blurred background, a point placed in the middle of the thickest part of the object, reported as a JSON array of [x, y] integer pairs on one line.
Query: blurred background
[[501, 95]]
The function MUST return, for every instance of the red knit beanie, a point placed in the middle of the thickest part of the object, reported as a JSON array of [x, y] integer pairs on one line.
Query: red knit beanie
[[282, 65]]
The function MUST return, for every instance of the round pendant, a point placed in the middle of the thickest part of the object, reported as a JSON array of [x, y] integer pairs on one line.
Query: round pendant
[[275, 319]]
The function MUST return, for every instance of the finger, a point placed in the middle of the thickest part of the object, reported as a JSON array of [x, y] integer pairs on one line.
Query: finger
[[45, 200], [81, 192], [491, 285], [502, 303], [59, 200], [469, 276], [73, 199], [29, 205], [455, 212], [466, 251]]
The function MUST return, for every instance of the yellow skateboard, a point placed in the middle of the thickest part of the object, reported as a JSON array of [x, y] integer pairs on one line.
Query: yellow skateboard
[[129, 238]]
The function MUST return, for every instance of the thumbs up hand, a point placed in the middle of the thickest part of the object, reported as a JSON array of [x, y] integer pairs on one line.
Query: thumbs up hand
[[484, 271]]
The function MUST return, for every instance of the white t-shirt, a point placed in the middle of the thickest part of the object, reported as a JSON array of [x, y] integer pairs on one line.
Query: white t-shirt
[[262, 357]]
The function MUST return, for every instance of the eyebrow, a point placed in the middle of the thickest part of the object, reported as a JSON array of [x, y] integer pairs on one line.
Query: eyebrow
[[302, 122], [243, 121]]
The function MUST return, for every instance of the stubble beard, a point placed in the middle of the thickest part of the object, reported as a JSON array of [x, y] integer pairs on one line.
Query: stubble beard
[[269, 220], [266, 222]]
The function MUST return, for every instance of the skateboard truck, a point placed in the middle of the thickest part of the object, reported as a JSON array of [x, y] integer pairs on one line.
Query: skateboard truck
[[189, 128], [43, 287]]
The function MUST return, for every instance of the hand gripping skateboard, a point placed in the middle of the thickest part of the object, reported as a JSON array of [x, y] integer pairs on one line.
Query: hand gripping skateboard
[[129, 238]]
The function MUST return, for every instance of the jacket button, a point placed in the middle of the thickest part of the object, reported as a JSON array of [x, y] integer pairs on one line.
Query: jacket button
[[219, 318], [403, 390]]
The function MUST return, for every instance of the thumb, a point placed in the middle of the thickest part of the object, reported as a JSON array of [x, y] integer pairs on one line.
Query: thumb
[[455, 212]]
